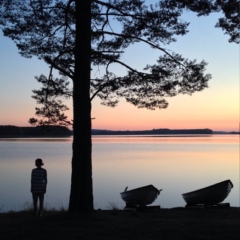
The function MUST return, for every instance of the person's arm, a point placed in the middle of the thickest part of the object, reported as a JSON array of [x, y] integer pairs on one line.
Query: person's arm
[[31, 181], [45, 181]]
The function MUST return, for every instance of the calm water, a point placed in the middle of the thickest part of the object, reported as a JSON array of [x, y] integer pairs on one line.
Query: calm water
[[176, 164]]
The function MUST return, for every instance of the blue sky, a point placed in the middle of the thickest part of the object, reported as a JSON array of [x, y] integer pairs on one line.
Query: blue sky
[[216, 107]]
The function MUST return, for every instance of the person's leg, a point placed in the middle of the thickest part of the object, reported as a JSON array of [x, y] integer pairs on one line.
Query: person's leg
[[41, 200], [35, 201]]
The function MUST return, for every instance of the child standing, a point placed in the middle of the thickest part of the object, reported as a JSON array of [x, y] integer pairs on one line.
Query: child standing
[[38, 186]]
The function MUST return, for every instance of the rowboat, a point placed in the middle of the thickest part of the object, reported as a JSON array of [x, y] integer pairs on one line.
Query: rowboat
[[140, 196], [210, 195]]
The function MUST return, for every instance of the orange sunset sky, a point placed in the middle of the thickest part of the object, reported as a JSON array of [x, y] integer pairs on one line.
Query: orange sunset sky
[[216, 108]]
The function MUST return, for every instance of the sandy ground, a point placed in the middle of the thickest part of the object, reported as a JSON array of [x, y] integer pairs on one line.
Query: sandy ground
[[179, 223]]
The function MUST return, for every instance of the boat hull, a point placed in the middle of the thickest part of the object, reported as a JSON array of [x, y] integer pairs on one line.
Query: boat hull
[[210, 195], [140, 196]]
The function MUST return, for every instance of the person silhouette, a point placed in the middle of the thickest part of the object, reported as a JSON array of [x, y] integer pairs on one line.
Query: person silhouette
[[38, 186]]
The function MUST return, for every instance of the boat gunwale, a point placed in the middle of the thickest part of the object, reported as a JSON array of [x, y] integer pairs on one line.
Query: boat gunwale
[[208, 187]]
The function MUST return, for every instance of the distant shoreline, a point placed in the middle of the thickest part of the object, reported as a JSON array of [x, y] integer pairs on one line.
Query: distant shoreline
[[164, 131], [9, 131], [38, 132]]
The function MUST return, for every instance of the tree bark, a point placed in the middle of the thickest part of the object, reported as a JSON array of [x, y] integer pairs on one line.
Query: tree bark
[[81, 195]]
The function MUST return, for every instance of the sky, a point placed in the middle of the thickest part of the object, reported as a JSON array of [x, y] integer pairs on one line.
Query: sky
[[216, 107]]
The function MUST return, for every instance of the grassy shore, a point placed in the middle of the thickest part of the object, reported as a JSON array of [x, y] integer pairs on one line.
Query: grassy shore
[[219, 224]]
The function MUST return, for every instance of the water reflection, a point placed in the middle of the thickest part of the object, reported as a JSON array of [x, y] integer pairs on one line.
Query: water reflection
[[174, 167], [174, 164]]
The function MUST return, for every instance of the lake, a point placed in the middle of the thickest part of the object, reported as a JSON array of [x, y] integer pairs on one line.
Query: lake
[[176, 164]]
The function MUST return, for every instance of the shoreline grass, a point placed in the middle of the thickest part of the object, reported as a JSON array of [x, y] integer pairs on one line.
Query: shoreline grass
[[176, 223]]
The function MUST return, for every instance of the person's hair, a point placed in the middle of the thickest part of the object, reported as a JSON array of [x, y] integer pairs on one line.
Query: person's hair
[[38, 162]]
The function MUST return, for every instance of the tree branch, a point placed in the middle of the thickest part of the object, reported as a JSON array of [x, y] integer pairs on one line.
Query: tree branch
[[142, 40]]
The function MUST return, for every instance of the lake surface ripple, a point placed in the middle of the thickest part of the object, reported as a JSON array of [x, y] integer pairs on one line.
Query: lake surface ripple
[[176, 164]]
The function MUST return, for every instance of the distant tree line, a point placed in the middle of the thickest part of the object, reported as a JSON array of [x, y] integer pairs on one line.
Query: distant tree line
[[39, 131], [164, 131], [62, 131]]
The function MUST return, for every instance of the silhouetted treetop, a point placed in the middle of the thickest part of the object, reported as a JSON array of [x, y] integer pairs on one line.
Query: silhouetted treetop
[[46, 29]]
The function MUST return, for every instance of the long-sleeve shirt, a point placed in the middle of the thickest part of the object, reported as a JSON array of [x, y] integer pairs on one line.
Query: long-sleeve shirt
[[38, 180]]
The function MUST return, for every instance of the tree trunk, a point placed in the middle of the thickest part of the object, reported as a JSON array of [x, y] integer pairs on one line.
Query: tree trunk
[[81, 195]]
